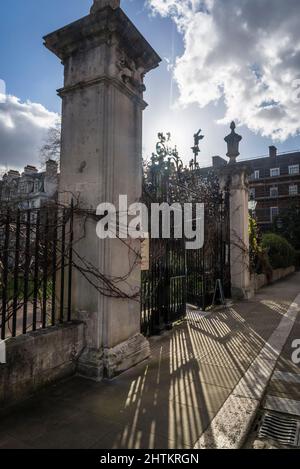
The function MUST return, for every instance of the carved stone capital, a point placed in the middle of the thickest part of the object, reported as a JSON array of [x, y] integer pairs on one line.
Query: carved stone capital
[[236, 176], [127, 70], [126, 55]]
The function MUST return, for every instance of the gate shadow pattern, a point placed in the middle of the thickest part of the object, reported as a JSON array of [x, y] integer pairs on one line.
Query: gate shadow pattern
[[166, 402]]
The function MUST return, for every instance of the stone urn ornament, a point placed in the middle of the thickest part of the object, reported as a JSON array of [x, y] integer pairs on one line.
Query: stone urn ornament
[[233, 142], [100, 4]]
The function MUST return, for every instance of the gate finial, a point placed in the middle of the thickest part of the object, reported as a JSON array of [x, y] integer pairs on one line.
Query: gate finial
[[196, 150], [233, 141], [100, 4]]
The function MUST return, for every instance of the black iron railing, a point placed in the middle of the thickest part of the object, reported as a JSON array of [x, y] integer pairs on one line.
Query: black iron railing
[[163, 286], [36, 249]]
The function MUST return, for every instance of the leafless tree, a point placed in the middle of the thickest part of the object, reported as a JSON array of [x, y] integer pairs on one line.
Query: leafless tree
[[51, 148]]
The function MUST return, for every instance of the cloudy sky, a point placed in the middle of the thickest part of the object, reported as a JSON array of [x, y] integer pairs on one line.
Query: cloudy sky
[[222, 60]]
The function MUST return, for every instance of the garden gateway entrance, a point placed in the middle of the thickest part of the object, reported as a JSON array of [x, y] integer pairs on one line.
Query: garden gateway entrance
[[175, 275]]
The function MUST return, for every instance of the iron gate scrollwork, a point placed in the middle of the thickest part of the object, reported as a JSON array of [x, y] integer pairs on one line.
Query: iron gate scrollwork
[[178, 276]]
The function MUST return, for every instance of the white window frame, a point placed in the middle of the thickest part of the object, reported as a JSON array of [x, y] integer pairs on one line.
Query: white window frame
[[293, 192], [273, 188], [257, 174], [294, 169], [271, 213], [275, 175], [36, 187], [23, 188]]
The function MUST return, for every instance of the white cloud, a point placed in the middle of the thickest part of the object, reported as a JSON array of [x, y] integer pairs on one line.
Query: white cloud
[[23, 128], [245, 52], [2, 91]]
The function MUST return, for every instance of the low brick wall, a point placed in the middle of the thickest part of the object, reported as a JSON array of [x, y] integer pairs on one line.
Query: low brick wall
[[261, 280], [39, 358]]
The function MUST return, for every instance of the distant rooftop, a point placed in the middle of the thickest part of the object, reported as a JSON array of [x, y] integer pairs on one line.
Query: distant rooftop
[[291, 152], [218, 161]]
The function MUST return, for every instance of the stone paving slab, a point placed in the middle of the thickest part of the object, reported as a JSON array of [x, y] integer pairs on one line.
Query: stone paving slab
[[170, 400], [282, 405], [284, 377], [230, 424], [290, 390], [217, 374], [255, 381]]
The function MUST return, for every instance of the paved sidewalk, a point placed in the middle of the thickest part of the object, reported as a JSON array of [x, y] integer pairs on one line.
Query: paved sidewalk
[[282, 398], [283, 394], [165, 402]]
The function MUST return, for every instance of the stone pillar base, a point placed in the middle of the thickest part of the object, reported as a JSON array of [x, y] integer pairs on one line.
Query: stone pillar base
[[90, 364], [125, 355]]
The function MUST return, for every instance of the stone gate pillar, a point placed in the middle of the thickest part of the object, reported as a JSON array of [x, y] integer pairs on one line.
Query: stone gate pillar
[[235, 177], [105, 60]]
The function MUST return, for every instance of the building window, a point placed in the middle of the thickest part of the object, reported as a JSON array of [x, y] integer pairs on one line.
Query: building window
[[294, 169], [274, 213], [274, 192], [256, 174], [293, 190], [23, 188], [274, 172]]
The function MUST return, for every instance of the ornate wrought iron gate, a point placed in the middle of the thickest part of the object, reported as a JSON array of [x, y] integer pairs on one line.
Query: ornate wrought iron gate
[[211, 263], [164, 286], [178, 276]]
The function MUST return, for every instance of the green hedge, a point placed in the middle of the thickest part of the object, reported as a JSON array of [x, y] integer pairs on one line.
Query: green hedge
[[280, 252]]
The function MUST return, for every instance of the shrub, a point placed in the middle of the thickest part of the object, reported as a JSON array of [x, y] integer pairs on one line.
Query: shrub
[[254, 246], [259, 259], [287, 224], [281, 253]]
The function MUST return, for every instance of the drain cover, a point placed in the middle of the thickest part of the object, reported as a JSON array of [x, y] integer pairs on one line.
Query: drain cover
[[284, 430]]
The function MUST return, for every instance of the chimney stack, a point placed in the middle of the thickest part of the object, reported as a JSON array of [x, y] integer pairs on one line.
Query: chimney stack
[[51, 167], [11, 175], [28, 170], [272, 151]]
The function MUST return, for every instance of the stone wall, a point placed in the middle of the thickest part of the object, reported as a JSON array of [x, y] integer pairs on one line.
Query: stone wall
[[39, 358], [260, 280]]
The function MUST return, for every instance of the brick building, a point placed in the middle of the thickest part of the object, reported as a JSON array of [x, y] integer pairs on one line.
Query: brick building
[[274, 183]]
